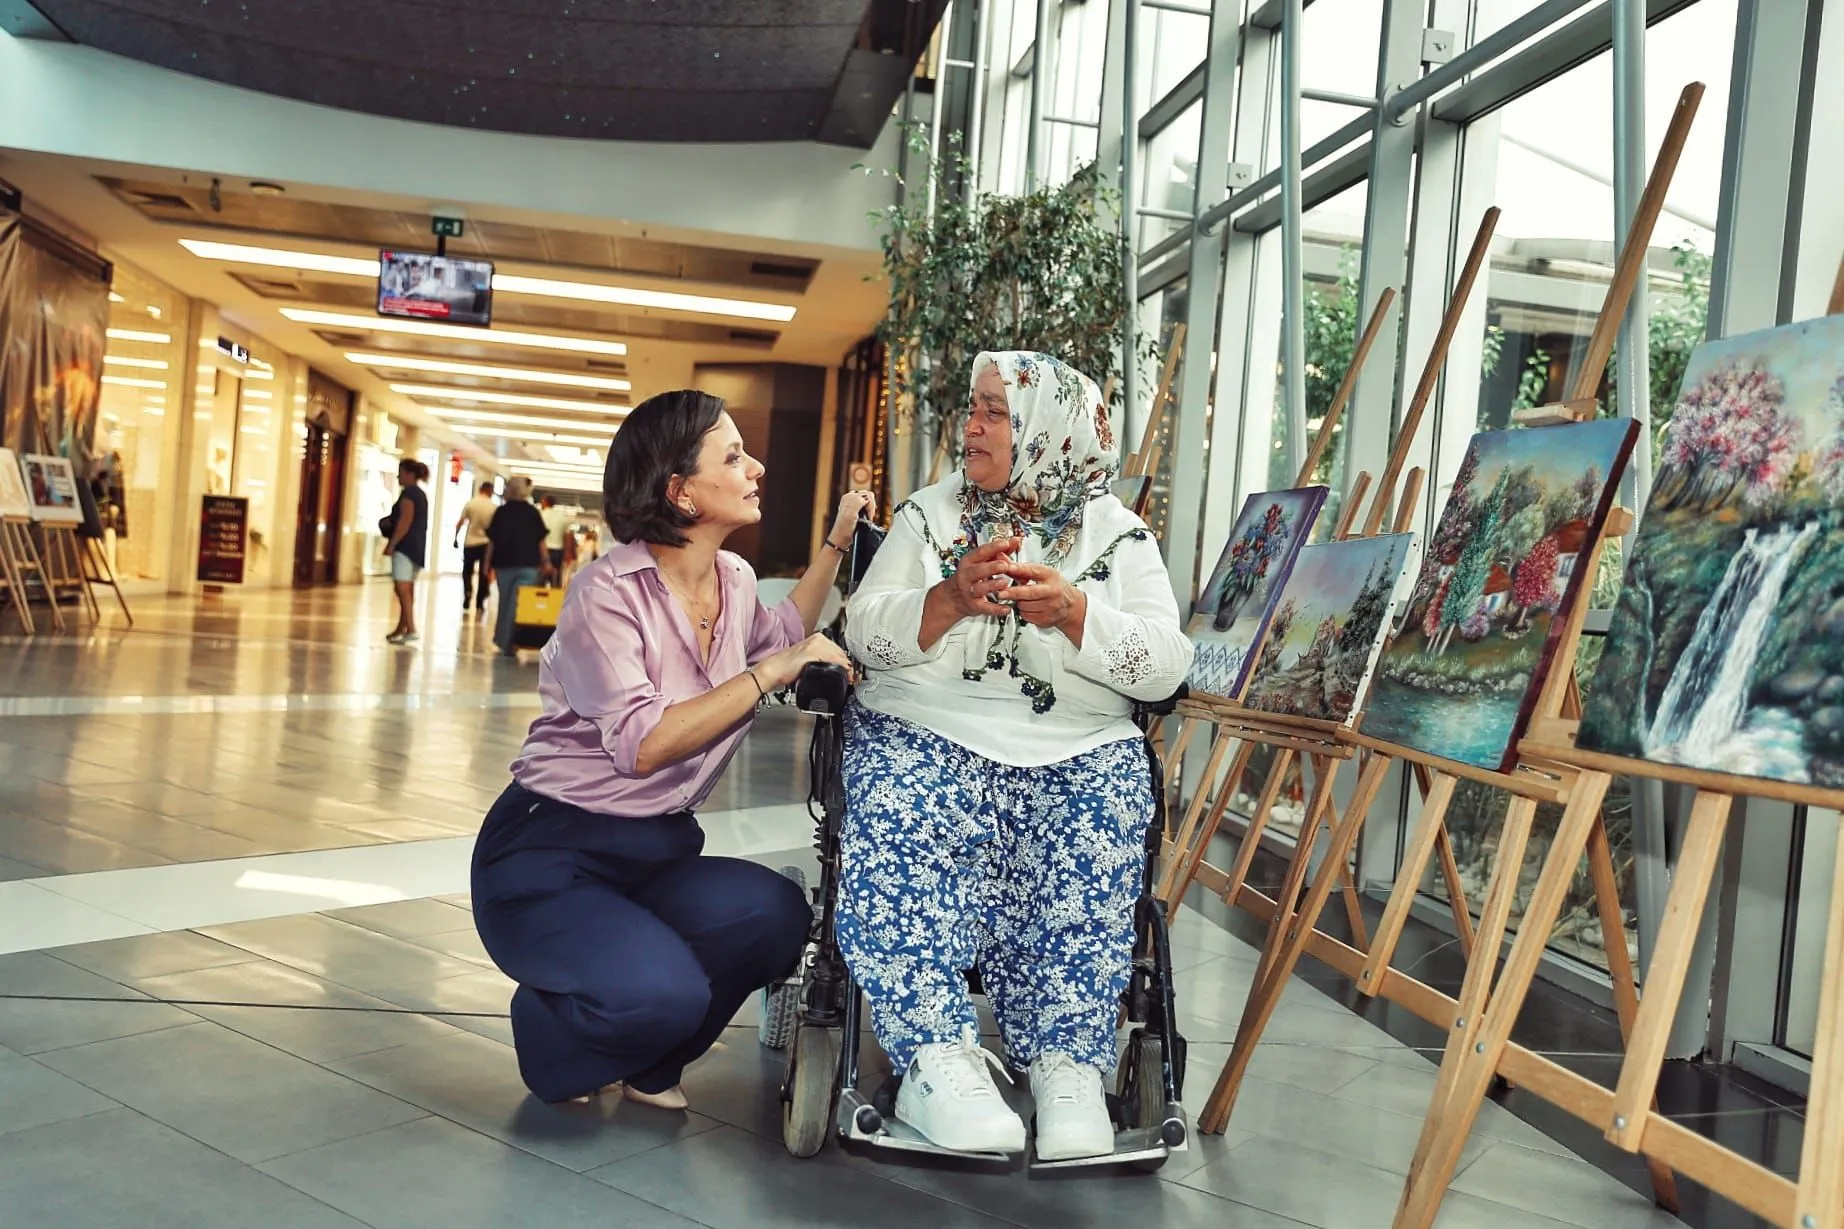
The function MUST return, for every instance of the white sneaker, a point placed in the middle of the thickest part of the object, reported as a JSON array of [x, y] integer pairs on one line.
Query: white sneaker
[[1072, 1111], [949, 1096]]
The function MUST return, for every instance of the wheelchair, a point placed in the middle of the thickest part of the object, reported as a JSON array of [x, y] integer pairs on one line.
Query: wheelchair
[[817, 1014]]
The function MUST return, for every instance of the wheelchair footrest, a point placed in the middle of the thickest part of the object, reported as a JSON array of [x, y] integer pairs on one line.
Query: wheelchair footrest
[[859, 1122]]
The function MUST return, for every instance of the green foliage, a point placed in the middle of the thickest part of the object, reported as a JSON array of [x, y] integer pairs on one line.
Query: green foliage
[[1674, 328], [1035, 272], [1331, 342]]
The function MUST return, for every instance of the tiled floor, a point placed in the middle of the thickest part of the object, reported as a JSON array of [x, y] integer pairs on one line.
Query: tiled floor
[[240, 984]]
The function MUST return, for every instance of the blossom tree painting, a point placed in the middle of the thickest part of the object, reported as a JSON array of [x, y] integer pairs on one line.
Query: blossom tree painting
[[1234, 610]]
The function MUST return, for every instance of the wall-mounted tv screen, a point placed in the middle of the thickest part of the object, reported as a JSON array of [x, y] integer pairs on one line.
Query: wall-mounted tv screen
[[423, 286]]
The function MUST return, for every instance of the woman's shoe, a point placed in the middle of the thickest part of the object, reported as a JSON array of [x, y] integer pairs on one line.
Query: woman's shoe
[[604, 1090], [949, 1096], [672, 1099], [1072, 1110]]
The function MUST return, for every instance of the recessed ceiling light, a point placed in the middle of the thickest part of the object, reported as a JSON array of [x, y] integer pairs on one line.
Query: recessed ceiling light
[[155, 339], [116, 298], [443, 392], [262, 187], [150, 364], [486, 371], [457, 414], [459, 332], [503, 283]]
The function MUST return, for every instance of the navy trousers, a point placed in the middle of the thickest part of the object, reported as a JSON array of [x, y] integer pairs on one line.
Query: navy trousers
[[631, 951]]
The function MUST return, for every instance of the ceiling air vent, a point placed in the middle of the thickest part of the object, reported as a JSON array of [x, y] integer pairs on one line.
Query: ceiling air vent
[[273, 289], [602, 364], [333, 337], [768, 268], [753, 337], [161, 200]]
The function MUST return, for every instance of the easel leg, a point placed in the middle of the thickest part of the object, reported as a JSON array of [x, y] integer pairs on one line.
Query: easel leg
[[1298, 866], [1258, 823], [39, 565], [99, 558], [1184, 868], [15, 576], [1620, 970], [1187, 831], [1820, 1202], [1433, 820], [1456, 891], [1664, 985], [1474, 1050], [1288, 936]]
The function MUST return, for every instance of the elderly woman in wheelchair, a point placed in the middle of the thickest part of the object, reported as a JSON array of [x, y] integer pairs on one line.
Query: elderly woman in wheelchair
[[997, 791]]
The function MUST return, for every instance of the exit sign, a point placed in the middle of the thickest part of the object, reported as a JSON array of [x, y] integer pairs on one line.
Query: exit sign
[[447, 228]]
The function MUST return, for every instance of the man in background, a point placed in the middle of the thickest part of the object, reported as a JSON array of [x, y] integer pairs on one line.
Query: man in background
[[476, 515], [556, 523]]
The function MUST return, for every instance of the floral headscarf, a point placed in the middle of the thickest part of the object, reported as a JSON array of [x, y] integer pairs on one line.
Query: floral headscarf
[[1063, 455]]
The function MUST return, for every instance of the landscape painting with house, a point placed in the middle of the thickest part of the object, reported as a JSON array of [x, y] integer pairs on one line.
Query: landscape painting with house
[[1514, 543], [1331, 620], [1726, 650], [1238, 600]]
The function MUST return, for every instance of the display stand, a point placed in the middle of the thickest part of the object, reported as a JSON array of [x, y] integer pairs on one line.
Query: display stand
[[63, 572], [1533, 780], [96, 570], [1628, 1115], [19, 561], [1186, 861]]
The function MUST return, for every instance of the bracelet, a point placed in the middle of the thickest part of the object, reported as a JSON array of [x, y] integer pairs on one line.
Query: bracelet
[[761, 693], [843, 550]]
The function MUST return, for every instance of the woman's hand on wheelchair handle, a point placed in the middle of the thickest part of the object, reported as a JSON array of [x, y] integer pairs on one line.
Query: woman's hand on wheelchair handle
[[781, 669]]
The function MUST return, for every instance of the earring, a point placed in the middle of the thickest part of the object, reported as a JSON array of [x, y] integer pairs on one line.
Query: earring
[[691, 510]]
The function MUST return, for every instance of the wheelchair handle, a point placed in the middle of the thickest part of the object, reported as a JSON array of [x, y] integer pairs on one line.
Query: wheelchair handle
[[822, 689]]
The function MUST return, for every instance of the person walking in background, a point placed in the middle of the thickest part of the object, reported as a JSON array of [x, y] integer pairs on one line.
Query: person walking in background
[[515, 552], [407, 546], [556, 524], [476, 515]]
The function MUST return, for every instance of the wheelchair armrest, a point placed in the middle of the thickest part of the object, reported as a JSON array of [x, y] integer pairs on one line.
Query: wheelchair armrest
[[1162, 708]]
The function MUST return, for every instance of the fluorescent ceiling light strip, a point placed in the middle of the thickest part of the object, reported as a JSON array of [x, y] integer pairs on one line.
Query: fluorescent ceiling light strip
[[156, 339], [147, 364], [133, 382], [628, 296], [514, 433], [459, 332], [486, 371], [461, 417], [443, 392], [542, 287]]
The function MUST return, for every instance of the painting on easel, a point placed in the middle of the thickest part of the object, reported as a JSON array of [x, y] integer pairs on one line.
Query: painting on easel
[[14, 501], [1239, 599], [1513, 546], [1329, 626], [1727, 646]]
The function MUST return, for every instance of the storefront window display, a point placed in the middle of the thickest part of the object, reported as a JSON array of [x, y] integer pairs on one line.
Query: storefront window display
[[141, 390]]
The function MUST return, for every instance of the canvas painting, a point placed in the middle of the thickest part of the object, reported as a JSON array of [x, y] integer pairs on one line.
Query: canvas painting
[[1726, 650], [1328, 626], [1131, 490], [51, 485], [1238, 600], [1514, 544], [13, 499]]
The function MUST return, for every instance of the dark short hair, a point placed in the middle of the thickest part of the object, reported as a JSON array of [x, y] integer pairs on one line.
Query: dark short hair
[[659, 438], [416, 469], [486, 488]]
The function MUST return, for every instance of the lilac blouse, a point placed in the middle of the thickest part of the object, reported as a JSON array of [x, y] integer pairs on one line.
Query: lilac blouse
[[624, 652]]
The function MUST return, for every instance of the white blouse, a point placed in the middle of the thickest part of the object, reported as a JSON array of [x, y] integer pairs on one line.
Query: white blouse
[[1133, 646]]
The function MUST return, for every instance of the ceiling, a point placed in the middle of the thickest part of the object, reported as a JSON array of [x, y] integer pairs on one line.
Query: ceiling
[[629, 70], [571, 348]]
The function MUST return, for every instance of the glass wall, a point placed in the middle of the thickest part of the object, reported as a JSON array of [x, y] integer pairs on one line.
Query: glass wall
[[1531, 131]]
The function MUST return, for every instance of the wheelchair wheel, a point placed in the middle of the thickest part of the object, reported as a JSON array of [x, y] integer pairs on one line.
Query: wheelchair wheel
[[1141, 1087], [808, 1097], [781, 1001]]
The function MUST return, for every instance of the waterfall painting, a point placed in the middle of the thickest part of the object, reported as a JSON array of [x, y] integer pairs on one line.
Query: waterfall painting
[[1237, 602], [1513, 547], [1328, 626], [1726, 650]]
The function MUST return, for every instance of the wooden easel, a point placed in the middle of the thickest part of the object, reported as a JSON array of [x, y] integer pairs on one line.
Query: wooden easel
[[63, 570], [1235, 724], [1533, 780], [19, 559], [1628, 1115], [96, 570], [1193, 840]]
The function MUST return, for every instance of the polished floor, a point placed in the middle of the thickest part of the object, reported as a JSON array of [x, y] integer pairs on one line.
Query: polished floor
[[239, 982]]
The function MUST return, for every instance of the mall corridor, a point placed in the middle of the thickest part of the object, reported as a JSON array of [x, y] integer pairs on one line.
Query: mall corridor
[[242, 984]]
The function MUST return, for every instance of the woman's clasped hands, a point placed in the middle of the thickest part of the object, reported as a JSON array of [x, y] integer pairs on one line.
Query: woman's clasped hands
[[989, 582]]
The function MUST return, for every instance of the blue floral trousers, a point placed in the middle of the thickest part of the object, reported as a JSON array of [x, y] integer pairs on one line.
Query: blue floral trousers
[[952, 860]]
